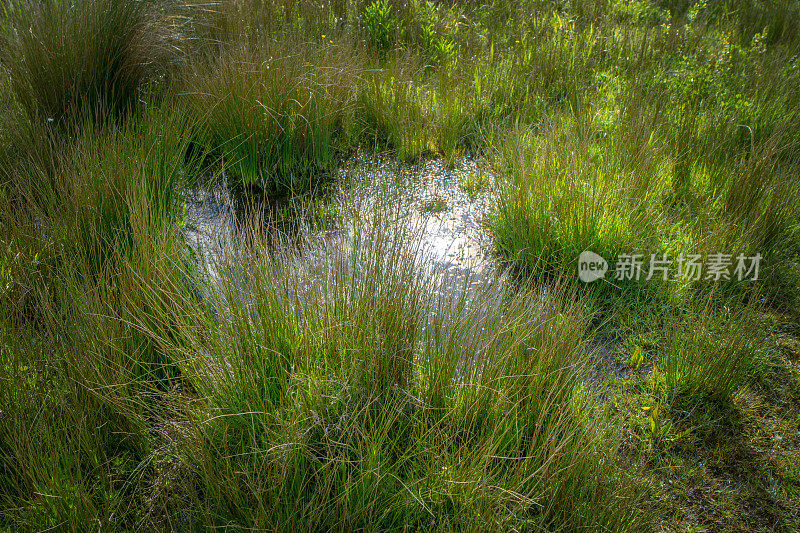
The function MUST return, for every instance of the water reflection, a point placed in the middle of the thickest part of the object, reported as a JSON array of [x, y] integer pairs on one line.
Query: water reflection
[[439, 211]]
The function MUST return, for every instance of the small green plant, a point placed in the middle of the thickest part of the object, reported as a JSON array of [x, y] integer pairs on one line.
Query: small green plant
[[658, 429], [474, 184], [658, 432], [382, 28], [433, 205], [636, 358], [438, 48], [437, 33]]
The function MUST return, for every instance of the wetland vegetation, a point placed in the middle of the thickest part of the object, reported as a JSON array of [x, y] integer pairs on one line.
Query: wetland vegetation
[[316, 265]]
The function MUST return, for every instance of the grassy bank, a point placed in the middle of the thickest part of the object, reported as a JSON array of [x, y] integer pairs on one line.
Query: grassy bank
[[328, 386]]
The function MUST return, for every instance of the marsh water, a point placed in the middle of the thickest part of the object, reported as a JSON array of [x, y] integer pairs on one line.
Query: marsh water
[[439, 211]]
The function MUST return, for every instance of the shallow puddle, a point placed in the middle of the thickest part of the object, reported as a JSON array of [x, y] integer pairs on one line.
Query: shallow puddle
[[444, 211], [440, 211]]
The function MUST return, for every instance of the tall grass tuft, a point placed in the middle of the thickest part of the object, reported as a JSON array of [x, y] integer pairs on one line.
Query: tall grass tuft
[[710, 353], [276, 113], [65, 58], [569, 191], [89, 389], [332, 397]]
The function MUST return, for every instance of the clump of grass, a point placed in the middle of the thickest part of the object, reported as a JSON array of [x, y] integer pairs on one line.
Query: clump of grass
[[754, 213], [475, 183], [56, 442], [415, 118], [90, 390], [393, 109], [333, 398], [709, 355], [96, 196], [276, 113], [89, 386], [90, 188], [94, 56], [568, 193]]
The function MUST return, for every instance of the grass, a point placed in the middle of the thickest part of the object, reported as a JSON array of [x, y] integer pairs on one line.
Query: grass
[[572, 193], [64, 60], [354, 415], [276, 114], [339, 383]]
